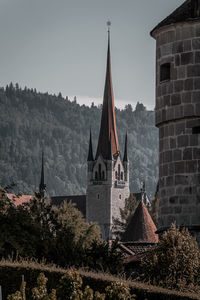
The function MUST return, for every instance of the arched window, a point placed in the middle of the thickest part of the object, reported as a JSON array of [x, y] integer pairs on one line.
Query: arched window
[[98, 197], [122, 176], [103, 175], [96, 175], [115, 174], [100, 171], [120, 196]]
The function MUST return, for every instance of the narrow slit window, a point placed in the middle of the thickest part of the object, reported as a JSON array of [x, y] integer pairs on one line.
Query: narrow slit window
[[165, 72], [196, 130]]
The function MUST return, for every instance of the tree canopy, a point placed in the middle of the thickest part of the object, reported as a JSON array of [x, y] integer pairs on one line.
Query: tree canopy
[[56, 234], [175, 262]]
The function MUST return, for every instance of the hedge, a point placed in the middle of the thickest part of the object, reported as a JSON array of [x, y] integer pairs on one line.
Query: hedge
[[11, 275]]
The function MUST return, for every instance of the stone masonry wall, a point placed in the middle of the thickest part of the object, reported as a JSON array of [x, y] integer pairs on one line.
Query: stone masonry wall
[[177, 113]]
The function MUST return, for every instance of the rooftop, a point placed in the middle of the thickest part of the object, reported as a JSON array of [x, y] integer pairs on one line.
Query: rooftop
[[141, 228], [188, 11]]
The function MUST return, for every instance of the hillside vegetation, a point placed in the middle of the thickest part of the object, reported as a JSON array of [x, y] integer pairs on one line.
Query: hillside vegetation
[[31, 121]]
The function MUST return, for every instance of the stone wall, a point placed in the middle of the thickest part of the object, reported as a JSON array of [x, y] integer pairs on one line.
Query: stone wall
[[178, 120]]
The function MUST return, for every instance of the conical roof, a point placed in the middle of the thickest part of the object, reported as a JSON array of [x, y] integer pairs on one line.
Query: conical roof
[[42, 185], [108, 130], [141, 228], [188, 11], [90, 151]]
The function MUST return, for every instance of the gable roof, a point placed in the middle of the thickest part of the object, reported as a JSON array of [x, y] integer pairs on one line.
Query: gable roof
[[79, 201], [188, 11], [141, 228], [19, 199]]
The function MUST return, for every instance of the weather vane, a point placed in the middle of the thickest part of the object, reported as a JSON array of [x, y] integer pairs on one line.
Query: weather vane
[[108, 24]]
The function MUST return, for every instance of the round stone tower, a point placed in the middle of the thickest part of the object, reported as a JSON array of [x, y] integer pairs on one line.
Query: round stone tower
[[178, 116]]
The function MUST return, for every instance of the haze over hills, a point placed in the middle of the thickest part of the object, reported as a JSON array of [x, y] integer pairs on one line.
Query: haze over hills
[[31, 121]]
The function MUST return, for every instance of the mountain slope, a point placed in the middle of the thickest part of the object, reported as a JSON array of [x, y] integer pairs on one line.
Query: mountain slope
[[32, 121]]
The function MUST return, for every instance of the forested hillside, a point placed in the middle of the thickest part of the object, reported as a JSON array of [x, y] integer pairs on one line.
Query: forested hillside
[[32, 121]]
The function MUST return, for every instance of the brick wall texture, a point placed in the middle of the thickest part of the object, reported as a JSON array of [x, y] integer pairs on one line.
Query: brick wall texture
[[177, 112]]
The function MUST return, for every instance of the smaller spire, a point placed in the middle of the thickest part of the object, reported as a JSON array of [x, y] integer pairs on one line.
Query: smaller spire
[[125, 159], [42, 186], [90, 152]]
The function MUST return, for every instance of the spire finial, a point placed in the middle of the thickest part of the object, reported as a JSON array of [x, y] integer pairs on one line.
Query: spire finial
[[108, 24]]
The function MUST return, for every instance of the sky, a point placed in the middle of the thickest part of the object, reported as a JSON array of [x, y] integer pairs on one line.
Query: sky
[[61, 46]]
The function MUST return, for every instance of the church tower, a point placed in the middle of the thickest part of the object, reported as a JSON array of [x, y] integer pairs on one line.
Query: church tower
[[108, 174]]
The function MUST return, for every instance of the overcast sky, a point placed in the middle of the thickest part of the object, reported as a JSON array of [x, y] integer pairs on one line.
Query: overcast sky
[[60, 46]]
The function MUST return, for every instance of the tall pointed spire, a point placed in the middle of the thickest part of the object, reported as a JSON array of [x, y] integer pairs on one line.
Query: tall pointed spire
[[90, 152], [108, 123], [125, 150], [42, 186]]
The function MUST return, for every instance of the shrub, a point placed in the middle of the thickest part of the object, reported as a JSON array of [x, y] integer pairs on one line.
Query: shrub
[[19, 295], [175, 262], [40, 292], [118, 291], [70, 286]]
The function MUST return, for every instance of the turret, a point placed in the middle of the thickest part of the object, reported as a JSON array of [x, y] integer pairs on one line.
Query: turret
[[178, 117], [42, 186]]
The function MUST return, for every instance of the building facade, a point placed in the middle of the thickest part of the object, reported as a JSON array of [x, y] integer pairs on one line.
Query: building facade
[[108, 173], [178, 116]]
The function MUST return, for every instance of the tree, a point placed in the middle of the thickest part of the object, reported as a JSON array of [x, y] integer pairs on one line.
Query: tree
[[139, 107], [125, 215], [174, 263], [5, 203], [74, 236]]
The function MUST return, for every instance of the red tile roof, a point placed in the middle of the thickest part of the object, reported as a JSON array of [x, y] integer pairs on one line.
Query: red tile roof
[[141, 228], [19, 199]]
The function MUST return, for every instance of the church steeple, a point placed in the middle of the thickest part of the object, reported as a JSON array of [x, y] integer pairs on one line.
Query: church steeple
[[108, 130], [42, 186], [90, 152]]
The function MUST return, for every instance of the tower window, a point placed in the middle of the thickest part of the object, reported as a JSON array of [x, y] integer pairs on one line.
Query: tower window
[[103, 175], [98, 197], [116, 175], [165, 72], [122, 176], [120, 196], [96, 175]]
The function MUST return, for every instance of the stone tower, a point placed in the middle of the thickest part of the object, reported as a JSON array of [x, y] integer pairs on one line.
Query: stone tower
[[178, 116], [108, 174]]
